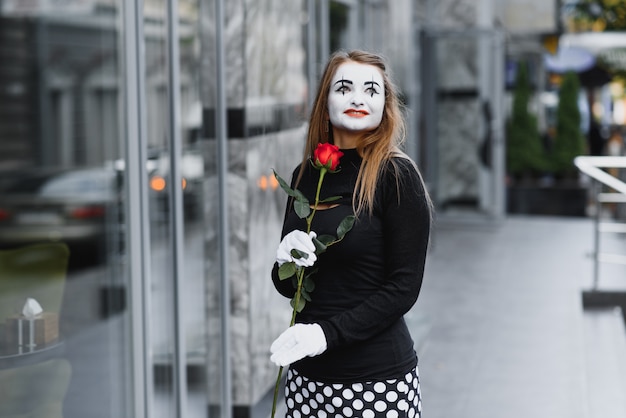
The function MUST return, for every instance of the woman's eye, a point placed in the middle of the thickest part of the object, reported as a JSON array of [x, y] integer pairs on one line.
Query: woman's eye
[[371, 91], [342, 89]]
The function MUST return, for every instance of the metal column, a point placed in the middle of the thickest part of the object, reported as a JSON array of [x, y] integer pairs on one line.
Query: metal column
[[137, 217], [221, 132], [176, 210]]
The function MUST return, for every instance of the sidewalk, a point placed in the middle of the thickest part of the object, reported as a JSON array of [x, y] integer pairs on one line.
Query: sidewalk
[[499, 324]]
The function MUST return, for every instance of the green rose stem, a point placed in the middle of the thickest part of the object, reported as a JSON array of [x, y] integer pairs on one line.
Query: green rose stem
[[309, 220]]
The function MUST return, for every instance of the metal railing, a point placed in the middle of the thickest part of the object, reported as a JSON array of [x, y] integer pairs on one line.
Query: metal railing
[[595, 168]]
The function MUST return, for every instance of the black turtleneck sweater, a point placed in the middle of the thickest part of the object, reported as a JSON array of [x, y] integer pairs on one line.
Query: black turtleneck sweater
[[367, 282]]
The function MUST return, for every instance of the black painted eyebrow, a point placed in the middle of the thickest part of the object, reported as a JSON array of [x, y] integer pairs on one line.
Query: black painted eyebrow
[[372, 83], [344, 81]]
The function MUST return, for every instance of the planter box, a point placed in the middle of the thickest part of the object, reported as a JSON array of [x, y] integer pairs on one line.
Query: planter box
[[552, 200]]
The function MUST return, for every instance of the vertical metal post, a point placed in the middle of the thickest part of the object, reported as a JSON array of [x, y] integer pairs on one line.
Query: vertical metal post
[[429, 106], [176, 210], [137, 217], [224, 227], [485, 87], [498, 150], [597, 186], [428, 98], [46, 147], [413, 82], [311, 51], [324, 19], [355, 24]]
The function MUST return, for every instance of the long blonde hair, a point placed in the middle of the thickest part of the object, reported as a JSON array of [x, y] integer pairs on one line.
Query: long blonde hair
[[377, 146]]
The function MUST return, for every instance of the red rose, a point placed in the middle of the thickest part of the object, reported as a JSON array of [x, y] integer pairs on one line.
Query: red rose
[[327, 155]]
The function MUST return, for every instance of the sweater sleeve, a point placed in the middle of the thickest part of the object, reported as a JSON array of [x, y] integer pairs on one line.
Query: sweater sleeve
[[406, 218], [284, 287]]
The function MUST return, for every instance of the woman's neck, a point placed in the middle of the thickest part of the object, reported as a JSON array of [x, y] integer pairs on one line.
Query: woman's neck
[[346, 139]]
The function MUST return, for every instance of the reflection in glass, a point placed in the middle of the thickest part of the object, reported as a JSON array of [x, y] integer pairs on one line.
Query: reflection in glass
[[61, 186], [164, 281]]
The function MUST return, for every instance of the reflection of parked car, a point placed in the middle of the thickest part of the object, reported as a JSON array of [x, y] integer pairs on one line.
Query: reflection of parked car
[[71, 206]]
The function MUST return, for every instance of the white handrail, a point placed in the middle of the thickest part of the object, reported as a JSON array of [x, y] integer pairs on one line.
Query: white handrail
[[594, 168]]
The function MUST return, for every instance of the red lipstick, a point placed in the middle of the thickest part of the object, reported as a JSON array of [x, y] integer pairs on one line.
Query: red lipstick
[[354, 113]]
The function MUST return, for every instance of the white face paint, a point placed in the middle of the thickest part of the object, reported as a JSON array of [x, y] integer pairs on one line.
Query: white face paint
[[356, 99]]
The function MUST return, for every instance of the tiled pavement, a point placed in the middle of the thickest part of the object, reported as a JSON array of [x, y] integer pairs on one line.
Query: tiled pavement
[[500, 329]]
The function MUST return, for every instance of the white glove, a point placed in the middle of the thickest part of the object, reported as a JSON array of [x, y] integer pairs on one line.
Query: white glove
[[297, 342], [298, 240]]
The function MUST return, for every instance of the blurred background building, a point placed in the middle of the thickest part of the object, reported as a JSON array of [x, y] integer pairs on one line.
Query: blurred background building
[[143, 135]]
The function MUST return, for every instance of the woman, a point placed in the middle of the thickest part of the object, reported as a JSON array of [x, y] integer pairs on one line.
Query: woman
[[350, 350]]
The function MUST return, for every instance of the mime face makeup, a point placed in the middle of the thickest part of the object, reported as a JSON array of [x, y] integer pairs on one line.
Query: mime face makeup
[[356, 99]]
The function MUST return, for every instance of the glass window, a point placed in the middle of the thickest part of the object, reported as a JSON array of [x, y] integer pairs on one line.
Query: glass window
[[167, 274], [63, 290]]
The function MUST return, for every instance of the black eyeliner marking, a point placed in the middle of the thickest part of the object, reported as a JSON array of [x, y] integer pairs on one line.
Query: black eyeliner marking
[[343, 85], [371, 84]]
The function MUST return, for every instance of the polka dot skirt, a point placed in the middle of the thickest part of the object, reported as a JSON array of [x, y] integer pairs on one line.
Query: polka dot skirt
[[395, 398]]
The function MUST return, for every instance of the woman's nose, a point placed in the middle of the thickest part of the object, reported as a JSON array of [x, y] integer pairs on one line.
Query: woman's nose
[[357, 100]]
